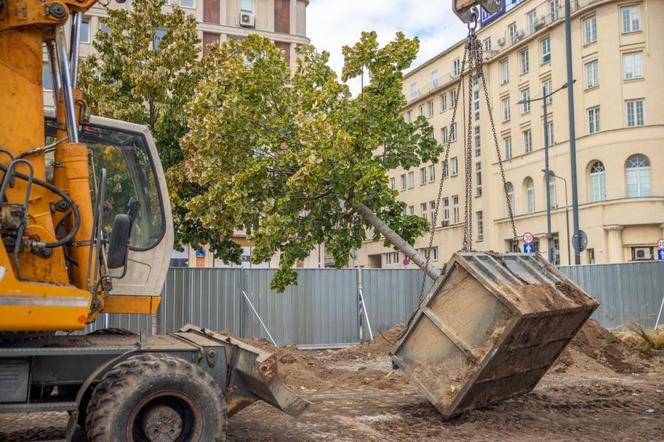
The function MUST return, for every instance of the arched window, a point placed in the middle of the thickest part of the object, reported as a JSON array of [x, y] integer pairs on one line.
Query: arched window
[[597, 181], [509, 188], [529, 185], [637, 172]]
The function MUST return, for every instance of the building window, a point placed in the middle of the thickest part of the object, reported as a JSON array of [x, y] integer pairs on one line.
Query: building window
[[532, 21], [47, 78], [391, 258], [592, 74], [476, 104], [635, 113], [443, 135], [429, 108], [509, 189], [443, 102], [524, 61], [103, 26], [454, 166], [478, 178], [590, 30], [479, 216], [424, 212], [633, 65], [506, 109], [434, 78], [591, 256], [403, 182], [549, 133], [638, 176], [597, 182], [446, 212], [552, 190], [545, 46], [444, 169], [421, 110], [409, 116], [547, 88], [593, 120], [411, 210], [432, 213], [631, 18], [505, 68], [432, 173], [423, 176], [507, 141], [453, 133], [411, 180], [393, 183], [553, 10], [85, 30], [455, 209], [513, 33], [487, 44], [527, 141], [529, 184], [158, 37], [247, 5], [453, 97], [191, 4], [478, 141], [456, 67], [525, 100], [413, 91]]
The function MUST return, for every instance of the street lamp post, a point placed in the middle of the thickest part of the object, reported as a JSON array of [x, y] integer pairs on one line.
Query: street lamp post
[[544, 98]]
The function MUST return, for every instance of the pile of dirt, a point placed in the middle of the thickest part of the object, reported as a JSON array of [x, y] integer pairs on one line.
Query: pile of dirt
[[600, 345]]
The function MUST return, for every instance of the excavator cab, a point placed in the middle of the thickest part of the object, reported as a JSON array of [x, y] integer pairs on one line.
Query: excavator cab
[[125, 169]]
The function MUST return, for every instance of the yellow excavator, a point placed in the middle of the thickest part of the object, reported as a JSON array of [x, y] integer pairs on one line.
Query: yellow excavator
[[86, 229]]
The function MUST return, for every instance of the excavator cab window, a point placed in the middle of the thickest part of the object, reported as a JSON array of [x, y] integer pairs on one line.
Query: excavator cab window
[[131, 181]]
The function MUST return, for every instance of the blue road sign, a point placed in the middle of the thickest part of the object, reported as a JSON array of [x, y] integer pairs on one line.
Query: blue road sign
[[529, 248], [660, 254]]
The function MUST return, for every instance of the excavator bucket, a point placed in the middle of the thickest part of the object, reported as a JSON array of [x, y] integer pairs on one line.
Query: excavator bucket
[[489, 329], [253, 375]]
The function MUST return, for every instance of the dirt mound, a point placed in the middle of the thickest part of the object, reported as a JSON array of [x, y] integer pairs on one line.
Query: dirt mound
[[599, 344]]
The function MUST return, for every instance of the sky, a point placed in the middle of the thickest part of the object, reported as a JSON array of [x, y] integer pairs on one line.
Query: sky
[[332, 24]]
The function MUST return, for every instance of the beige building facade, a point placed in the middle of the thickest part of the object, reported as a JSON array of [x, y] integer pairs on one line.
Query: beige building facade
[[619, 118]]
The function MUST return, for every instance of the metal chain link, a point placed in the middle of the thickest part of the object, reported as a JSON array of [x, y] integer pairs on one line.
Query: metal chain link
[[468, 146]]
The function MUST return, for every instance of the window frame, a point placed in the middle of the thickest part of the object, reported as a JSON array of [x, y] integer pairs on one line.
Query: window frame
[[631, 29], [545, 50], [591, 70], [636, 72], [594, 119], [590, 33], [636, 121]]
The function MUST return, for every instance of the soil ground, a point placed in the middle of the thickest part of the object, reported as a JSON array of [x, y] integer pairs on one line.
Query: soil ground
[[600, 389]]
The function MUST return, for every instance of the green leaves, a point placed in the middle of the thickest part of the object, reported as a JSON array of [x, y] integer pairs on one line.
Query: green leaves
[[286, 157]]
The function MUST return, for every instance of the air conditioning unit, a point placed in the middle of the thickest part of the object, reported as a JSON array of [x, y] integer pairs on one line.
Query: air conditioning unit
[[446, 223], [247, 19], [520, 34], [540, 23], [642, 254], [501, 42]]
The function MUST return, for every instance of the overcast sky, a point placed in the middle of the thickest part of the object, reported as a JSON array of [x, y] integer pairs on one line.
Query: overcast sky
[[334, 23]]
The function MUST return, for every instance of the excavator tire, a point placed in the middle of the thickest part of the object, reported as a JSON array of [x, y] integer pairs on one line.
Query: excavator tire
[[156, 397]]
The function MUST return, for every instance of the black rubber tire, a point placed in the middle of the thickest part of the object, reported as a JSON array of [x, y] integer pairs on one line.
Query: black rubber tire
[[144, 382], [112, 332]]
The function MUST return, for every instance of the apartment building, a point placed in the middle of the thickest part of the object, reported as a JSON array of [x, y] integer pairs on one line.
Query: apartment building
[[619, 118], [283, 21]]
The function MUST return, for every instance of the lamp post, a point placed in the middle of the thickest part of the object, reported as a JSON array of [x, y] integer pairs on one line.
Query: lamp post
[[569, 244], [544, 98]]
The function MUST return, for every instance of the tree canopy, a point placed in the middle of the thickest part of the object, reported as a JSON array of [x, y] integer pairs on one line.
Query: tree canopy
[[290, 157], [145, 69]]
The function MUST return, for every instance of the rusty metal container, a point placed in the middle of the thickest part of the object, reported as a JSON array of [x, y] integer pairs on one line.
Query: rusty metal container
[[489, 329]]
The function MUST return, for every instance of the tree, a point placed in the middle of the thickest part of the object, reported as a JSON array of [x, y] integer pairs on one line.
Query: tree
[[294, 159], [145, 69]]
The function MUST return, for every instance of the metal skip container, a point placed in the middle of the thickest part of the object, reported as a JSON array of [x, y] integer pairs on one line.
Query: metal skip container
[[489, 329]]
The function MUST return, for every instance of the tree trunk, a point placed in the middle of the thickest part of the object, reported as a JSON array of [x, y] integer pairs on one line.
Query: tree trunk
[[399, 242]]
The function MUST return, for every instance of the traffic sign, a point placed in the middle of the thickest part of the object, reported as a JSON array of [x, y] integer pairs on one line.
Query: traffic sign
[[528, 238], [660, 244], [529, 248], [660, 254], [580, 242]]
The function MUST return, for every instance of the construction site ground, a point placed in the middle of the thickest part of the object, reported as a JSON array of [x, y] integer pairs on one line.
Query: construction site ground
[[600, 389]]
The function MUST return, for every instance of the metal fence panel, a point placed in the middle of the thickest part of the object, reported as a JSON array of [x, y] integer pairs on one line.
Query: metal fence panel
[[627, 293], [391, 296], [321, 309]]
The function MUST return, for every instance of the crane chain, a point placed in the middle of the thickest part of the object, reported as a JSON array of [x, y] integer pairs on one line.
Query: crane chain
[[446, 167]]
